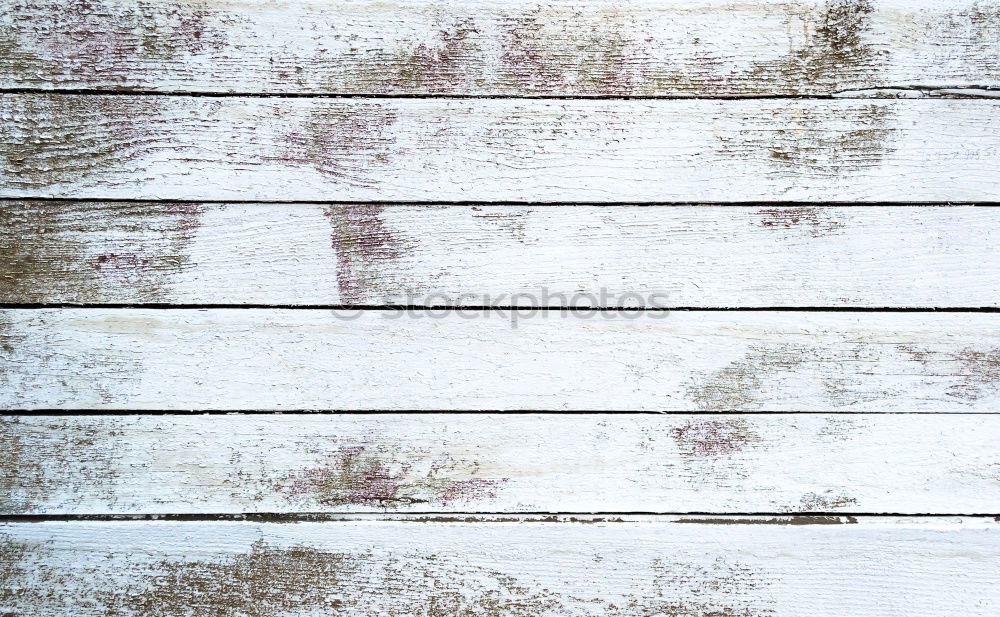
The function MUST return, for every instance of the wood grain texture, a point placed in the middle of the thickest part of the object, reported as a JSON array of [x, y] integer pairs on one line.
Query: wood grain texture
[[635, 568], [312, 254], [233, 359], [796, 463], [430, 150], [501, 47]]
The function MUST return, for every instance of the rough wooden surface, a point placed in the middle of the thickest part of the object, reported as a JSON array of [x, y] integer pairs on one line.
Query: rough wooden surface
[[509, 47], [695, 256], [675, 567], [498, 150], [365, 184], [234, 359], [797, 463]]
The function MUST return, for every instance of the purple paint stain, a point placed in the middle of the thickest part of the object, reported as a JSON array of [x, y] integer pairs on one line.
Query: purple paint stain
[[710, 437], [357, 475], [470, 490], [817, 223], [349, 477], [361, 241], [188, 216], [88, 39], [122, 267]]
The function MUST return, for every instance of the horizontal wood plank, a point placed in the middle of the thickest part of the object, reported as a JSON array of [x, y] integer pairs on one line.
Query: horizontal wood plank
[[740, 567], [238, 359], [313, 254], [198, 148], [799, 463], [501, 47]]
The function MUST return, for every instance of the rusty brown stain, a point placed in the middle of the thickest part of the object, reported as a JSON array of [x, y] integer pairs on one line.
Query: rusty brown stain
[[741, 385], [815, 502], [374, 476], [14, 568], [424, 585], [815, 141], [525, 54], [713, 437], [675, 588], [33, 358], [541, 53], [976, 371], [267, 579], [38, 258], [343, 140], [261, 582], [92, 252], [510, 221], [916, 354], [462, 519], [365, 248], [537, 50], [13, 340], [978, 24], [146, 270], [836, 53], [85, 40], [59, 458], [816, 221], [440, 65], [775, 520], [20, 471], [840, 428], [979, 373], [527, 518], [55, 139], [540, 56]]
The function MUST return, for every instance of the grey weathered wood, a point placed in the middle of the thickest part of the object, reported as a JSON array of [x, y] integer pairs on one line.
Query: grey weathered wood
[[498, 150], [639, 567], [696, 256], [510, 47], [472, 360], [899, 463]]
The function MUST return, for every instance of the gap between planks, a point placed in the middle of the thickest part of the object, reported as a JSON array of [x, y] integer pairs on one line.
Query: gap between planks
[[909, 92], [41, 412], [501, 308], [744, 518], [518, 204]]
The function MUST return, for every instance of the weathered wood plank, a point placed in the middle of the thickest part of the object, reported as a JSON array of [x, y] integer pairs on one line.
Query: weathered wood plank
[[899, 463], [498, 150], [634, 568], [509, 47], [696, 256], [469, 360]]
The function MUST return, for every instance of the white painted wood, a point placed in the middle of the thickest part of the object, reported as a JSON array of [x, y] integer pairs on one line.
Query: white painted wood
[[499, 150], [510, 47], [233, 359], [698, 256], [901, 463], [892, 567]]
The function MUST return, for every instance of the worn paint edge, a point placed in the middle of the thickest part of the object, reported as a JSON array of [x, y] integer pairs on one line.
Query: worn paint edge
[[946, 91], [687, 518]]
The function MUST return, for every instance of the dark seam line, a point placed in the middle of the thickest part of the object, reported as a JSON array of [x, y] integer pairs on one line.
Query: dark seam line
[[420, 203], [457, 517], [498, 308], [838, 95], [131, 412], [428, 96]]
